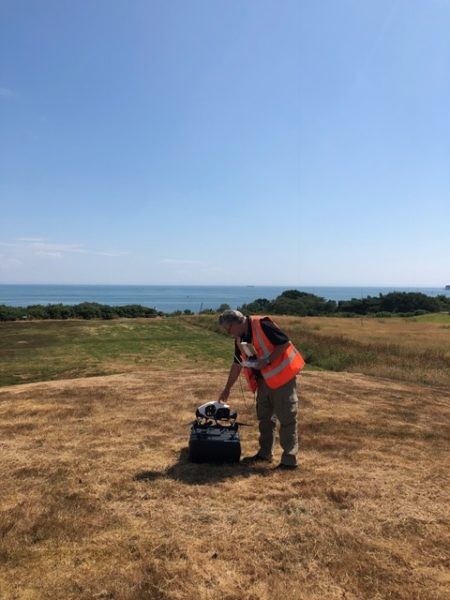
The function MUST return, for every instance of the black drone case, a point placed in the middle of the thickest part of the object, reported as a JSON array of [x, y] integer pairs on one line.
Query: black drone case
[[213, 442]]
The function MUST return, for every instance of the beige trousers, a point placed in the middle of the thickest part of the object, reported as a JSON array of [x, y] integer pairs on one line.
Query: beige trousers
[[281, 404]]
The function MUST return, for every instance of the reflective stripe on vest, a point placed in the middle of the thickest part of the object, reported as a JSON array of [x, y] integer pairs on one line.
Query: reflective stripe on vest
[[275, 375], [261, 341], [292, 354]]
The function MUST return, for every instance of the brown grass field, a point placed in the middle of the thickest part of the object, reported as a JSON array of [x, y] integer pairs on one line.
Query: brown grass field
[[99, 501]]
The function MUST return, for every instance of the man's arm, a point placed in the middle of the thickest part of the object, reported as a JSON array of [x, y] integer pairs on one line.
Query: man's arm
[[276, 352], [235, 370]]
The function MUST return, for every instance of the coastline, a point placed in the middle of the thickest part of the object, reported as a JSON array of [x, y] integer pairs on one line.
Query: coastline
[[169, 298]]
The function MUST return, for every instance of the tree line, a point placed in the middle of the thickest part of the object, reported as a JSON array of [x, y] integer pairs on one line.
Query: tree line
[[85, 310], [290, 302], [294, 302]]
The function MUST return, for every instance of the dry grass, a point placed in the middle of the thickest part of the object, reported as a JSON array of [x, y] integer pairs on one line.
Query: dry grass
[[409, 350], [98, 499], [410, 332], [405, 349]]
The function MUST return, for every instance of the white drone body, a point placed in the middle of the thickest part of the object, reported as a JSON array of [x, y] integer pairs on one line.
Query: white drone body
[[215, 410]]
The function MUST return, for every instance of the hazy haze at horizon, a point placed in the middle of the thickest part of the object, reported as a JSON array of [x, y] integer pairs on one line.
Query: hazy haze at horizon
[[225, 143]]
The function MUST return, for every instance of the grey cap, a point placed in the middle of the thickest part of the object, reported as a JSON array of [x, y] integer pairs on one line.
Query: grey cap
[[231, 316]]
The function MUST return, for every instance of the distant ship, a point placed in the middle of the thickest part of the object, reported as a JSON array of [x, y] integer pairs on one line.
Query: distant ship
[[447, 287]]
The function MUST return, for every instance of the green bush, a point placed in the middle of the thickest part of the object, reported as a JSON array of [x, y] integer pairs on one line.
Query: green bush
[[291, 302], [400, 303], [85, 310], [10, 313]]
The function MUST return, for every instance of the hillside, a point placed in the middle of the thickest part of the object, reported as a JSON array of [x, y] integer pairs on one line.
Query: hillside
[[415, 350], [99, 501]]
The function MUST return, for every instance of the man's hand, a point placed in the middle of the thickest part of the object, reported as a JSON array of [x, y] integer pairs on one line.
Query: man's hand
[[235, 369], [259, 364], [224, 396]]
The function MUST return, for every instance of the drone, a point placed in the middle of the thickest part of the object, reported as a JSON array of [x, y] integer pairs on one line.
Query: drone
[[214, 434], [215, 411]]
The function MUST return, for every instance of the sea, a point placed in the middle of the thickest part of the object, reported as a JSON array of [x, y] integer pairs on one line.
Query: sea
[[171, 298]]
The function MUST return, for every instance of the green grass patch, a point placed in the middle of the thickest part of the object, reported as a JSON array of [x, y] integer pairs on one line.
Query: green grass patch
[[443, 318], [46, 350]]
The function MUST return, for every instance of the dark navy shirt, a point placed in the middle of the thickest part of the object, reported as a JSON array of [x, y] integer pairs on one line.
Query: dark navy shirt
[[273, 333]]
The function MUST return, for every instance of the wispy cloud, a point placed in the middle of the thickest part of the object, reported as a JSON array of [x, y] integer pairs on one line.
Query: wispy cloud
[[40, 247], [50, 254], [111, 254], [180, 262], [6, 92], [9, 264], [26, 239], [46, 247]]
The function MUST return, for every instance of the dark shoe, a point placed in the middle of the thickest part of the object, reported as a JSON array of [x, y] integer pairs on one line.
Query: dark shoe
[[283, 467], [256, 458]]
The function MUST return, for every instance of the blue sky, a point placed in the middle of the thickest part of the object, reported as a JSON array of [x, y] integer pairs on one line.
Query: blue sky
[[225, 142]]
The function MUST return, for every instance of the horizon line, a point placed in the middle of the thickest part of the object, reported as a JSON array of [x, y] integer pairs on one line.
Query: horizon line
[[287, 285]]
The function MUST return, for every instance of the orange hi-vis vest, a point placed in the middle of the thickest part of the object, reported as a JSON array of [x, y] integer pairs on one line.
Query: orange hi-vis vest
[[282, 369]]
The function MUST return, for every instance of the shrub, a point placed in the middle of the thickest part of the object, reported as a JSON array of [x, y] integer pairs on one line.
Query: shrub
[[292, 302], [10, 313], [223, 307]]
